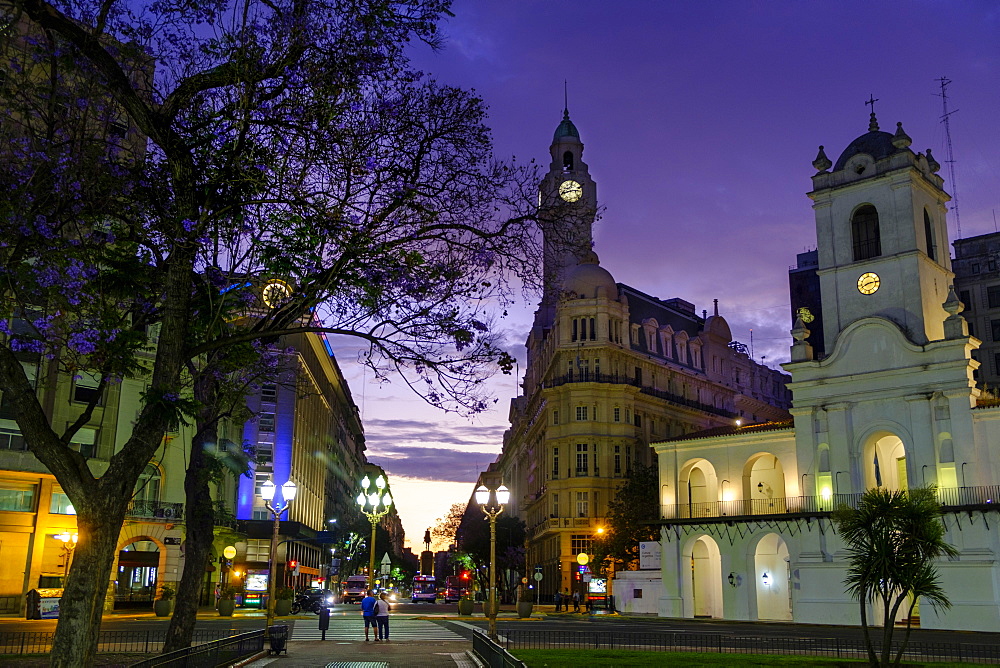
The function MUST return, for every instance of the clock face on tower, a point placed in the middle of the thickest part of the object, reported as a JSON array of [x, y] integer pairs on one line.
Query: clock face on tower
[[868, 283], [275, 292], [570, 191]]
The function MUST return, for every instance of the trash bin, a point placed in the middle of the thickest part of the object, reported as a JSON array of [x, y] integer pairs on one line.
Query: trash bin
[[277, 636]]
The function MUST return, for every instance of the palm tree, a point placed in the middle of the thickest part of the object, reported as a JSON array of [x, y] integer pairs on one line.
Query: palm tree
[[893, 538]]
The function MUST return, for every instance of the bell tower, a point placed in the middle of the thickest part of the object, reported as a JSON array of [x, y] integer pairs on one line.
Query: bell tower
[[881, 236], [567, 206]]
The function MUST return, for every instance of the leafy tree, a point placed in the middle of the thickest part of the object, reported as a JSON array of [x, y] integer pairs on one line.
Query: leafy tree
[[474, 543], [447, 527], [165, 159], [893, 538], [634, 506]]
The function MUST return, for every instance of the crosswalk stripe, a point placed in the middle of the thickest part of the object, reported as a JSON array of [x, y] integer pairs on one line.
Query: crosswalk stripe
[[353, 629]]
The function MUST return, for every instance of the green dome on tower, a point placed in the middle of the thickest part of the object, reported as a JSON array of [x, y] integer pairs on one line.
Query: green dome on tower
[[566, 128]]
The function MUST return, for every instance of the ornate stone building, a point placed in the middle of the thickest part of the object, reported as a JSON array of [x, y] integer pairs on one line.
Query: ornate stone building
[[892, 404], [610, 370]]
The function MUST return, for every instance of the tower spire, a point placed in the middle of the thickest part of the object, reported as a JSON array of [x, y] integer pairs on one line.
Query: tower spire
[[872, 123], [565, 99]]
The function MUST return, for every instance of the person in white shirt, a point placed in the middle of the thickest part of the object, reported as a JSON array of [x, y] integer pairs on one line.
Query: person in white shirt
[[382, 617]]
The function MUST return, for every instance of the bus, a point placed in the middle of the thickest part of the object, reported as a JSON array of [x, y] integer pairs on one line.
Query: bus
[[455, 587], [424, 589]]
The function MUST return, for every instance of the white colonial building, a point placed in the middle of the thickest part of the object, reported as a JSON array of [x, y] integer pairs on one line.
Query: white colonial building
[[746, 528]]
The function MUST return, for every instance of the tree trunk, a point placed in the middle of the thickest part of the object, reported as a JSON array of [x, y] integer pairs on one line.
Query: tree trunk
[[872, 657], [200, 518], [82, 604]]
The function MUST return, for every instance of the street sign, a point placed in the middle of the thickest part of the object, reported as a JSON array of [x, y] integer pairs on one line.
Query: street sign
[[587, 577], [538, 568], [582, 559], [524, 581], [386, 564], [229, 552], [538, 577]]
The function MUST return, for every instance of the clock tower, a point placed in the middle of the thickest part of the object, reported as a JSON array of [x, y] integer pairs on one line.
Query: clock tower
[[881, 236], [567, 206]]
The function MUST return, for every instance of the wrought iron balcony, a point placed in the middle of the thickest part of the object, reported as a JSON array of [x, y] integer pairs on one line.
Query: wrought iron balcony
[[950, 498], [620, 379], [155, 510]]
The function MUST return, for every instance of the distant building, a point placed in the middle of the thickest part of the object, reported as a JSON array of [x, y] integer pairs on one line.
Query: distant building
[[803, 290], [610, 369], [977, 281]]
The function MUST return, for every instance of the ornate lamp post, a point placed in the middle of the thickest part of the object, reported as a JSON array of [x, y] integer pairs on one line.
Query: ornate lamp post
[[69, 542], [267, 493], [374, 505], [492, 503]]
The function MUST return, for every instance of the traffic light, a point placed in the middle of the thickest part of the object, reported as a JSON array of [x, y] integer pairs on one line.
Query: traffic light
[[293, 566], [465, 575]]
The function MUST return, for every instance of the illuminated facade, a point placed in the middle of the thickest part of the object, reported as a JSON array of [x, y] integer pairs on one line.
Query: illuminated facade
[[610, 370], [892, 404]]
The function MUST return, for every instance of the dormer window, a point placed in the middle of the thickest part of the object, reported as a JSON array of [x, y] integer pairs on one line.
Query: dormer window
[[865, 233]]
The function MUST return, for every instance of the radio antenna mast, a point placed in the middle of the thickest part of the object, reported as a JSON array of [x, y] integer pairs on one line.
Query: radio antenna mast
[[950, 159]]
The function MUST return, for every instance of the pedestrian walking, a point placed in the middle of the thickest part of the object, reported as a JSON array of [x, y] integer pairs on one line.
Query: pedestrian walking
[[576, 601], [368, 612], [558, 598], [382, 617]]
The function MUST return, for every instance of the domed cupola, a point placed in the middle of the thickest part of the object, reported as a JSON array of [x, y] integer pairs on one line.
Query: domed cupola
[[874, 143], [587, 278], [566, 129]]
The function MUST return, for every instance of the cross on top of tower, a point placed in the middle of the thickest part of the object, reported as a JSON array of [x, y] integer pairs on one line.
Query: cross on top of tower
[[872, 123]]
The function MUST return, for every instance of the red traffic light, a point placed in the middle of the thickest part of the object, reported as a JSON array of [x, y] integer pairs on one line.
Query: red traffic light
[[465, 575], [293, 564]]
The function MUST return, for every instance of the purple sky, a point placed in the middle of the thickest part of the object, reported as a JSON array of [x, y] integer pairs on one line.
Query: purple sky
[[700, 122]]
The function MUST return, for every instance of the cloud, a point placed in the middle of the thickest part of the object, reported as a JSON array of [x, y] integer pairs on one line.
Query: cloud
[[384, 436], [433, 464]]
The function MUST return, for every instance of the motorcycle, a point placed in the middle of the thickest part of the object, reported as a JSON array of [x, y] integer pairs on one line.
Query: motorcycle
[[312, 601]]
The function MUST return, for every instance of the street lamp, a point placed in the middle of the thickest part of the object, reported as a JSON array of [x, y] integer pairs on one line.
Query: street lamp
[[267, 493], [374, 505], [500, 496], [69, 542]]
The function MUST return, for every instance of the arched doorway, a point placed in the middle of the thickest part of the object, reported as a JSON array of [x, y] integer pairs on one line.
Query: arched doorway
[[885, 462], [706, 578], [138, 570], [773, 575], [699, 489], [764, 484]]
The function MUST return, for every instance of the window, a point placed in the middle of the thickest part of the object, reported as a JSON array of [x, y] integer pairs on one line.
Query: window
[[582, 504], [928, 235], [996, 362], [581, 542], [638, 420], [865, 233], [555, 463], [575, 324], [17, 497], [268, 392], [266, 422], [582, 467], [265, 454], [618, 459], [975, 268], [84, 441], [567, 161], [10, 436], [147, 487], [581, 413], [618, 414], [628, 415], [991, 264], [259, 480], [555, 417], [85, 388], [638, 376], [60, 504], [593, 330], [963, 297], [992, 296], [628, 458], [995, 326], [258, 549], [555, 505]]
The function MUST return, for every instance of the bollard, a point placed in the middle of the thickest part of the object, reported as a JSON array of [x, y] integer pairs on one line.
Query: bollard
[[324, 621]]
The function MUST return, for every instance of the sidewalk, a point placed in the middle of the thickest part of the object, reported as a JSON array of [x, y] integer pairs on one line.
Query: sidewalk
[[408, 653]]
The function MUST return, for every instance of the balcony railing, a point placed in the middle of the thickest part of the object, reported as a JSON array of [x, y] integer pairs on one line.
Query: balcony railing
[[155, 510], [951, 497], [619, 379]]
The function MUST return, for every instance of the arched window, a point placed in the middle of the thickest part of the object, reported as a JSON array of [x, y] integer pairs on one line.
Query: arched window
[[929, 235], [568, 160], [864, 233]]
